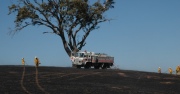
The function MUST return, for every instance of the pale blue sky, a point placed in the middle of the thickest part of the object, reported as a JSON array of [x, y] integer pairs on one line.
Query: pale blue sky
[[143, 35]]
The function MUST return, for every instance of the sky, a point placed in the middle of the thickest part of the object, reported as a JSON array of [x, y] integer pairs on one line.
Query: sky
[[142, 35]]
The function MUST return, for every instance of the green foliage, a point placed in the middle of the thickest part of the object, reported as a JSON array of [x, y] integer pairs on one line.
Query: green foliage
[[66, 18]]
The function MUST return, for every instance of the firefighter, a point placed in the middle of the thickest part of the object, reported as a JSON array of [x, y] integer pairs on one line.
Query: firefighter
[[170, 70], [177, 69], [36, 61], [23, 61], [159, 70]]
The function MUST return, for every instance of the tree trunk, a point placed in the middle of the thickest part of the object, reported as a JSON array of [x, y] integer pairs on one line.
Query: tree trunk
[[68, 51]]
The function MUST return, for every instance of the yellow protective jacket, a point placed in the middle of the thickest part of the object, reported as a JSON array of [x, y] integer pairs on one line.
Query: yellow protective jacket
[[159, 70], [170, 70], [36, 61], [23, 61], [178, 69]]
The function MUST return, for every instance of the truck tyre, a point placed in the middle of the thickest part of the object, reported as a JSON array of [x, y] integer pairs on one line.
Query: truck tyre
[[74, 66], [78, 66], [87, 66], [104, 66], [96, 67]]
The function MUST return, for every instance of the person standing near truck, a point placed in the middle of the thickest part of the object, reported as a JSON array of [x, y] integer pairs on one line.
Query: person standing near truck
[[36, 61], [159, 70], [170, 70], [177, 69], [23, 61]]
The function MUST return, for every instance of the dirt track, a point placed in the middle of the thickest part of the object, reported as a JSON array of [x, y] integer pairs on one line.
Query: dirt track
[[58, 80]]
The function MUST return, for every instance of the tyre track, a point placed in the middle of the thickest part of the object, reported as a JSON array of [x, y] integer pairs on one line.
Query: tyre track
[[37, 82], [22, 81]]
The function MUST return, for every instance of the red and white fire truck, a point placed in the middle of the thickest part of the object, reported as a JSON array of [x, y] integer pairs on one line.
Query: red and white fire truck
[[91, 59]]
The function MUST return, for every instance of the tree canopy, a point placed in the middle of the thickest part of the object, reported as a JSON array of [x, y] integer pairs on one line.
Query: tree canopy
[[66, 18]]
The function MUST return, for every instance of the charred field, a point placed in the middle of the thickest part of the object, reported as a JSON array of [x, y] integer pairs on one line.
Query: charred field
[[64, 80]]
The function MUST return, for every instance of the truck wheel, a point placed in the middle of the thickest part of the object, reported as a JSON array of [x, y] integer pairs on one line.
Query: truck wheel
[[86, 67], [78, 66], [104, 66], [74, 66], [96, 67]]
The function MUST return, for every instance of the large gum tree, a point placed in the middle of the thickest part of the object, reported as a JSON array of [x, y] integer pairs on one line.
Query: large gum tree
[[66, 18]]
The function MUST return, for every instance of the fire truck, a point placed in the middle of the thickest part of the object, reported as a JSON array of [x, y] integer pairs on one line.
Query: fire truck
[[91, 59]]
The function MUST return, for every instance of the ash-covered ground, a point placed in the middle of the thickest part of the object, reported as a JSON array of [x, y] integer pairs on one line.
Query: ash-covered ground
[[63, 80]]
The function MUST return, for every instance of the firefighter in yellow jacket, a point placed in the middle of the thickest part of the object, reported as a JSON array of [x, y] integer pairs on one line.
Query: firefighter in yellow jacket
[[177, 69], [23, 61], [159, 70], [36, 61], [170, 70]]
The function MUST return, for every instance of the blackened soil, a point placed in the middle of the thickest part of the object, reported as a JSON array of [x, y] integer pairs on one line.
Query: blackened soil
[[59, 80]]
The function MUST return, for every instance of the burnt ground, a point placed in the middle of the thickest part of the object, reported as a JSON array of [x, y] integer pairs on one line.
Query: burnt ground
[[59, 80]]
